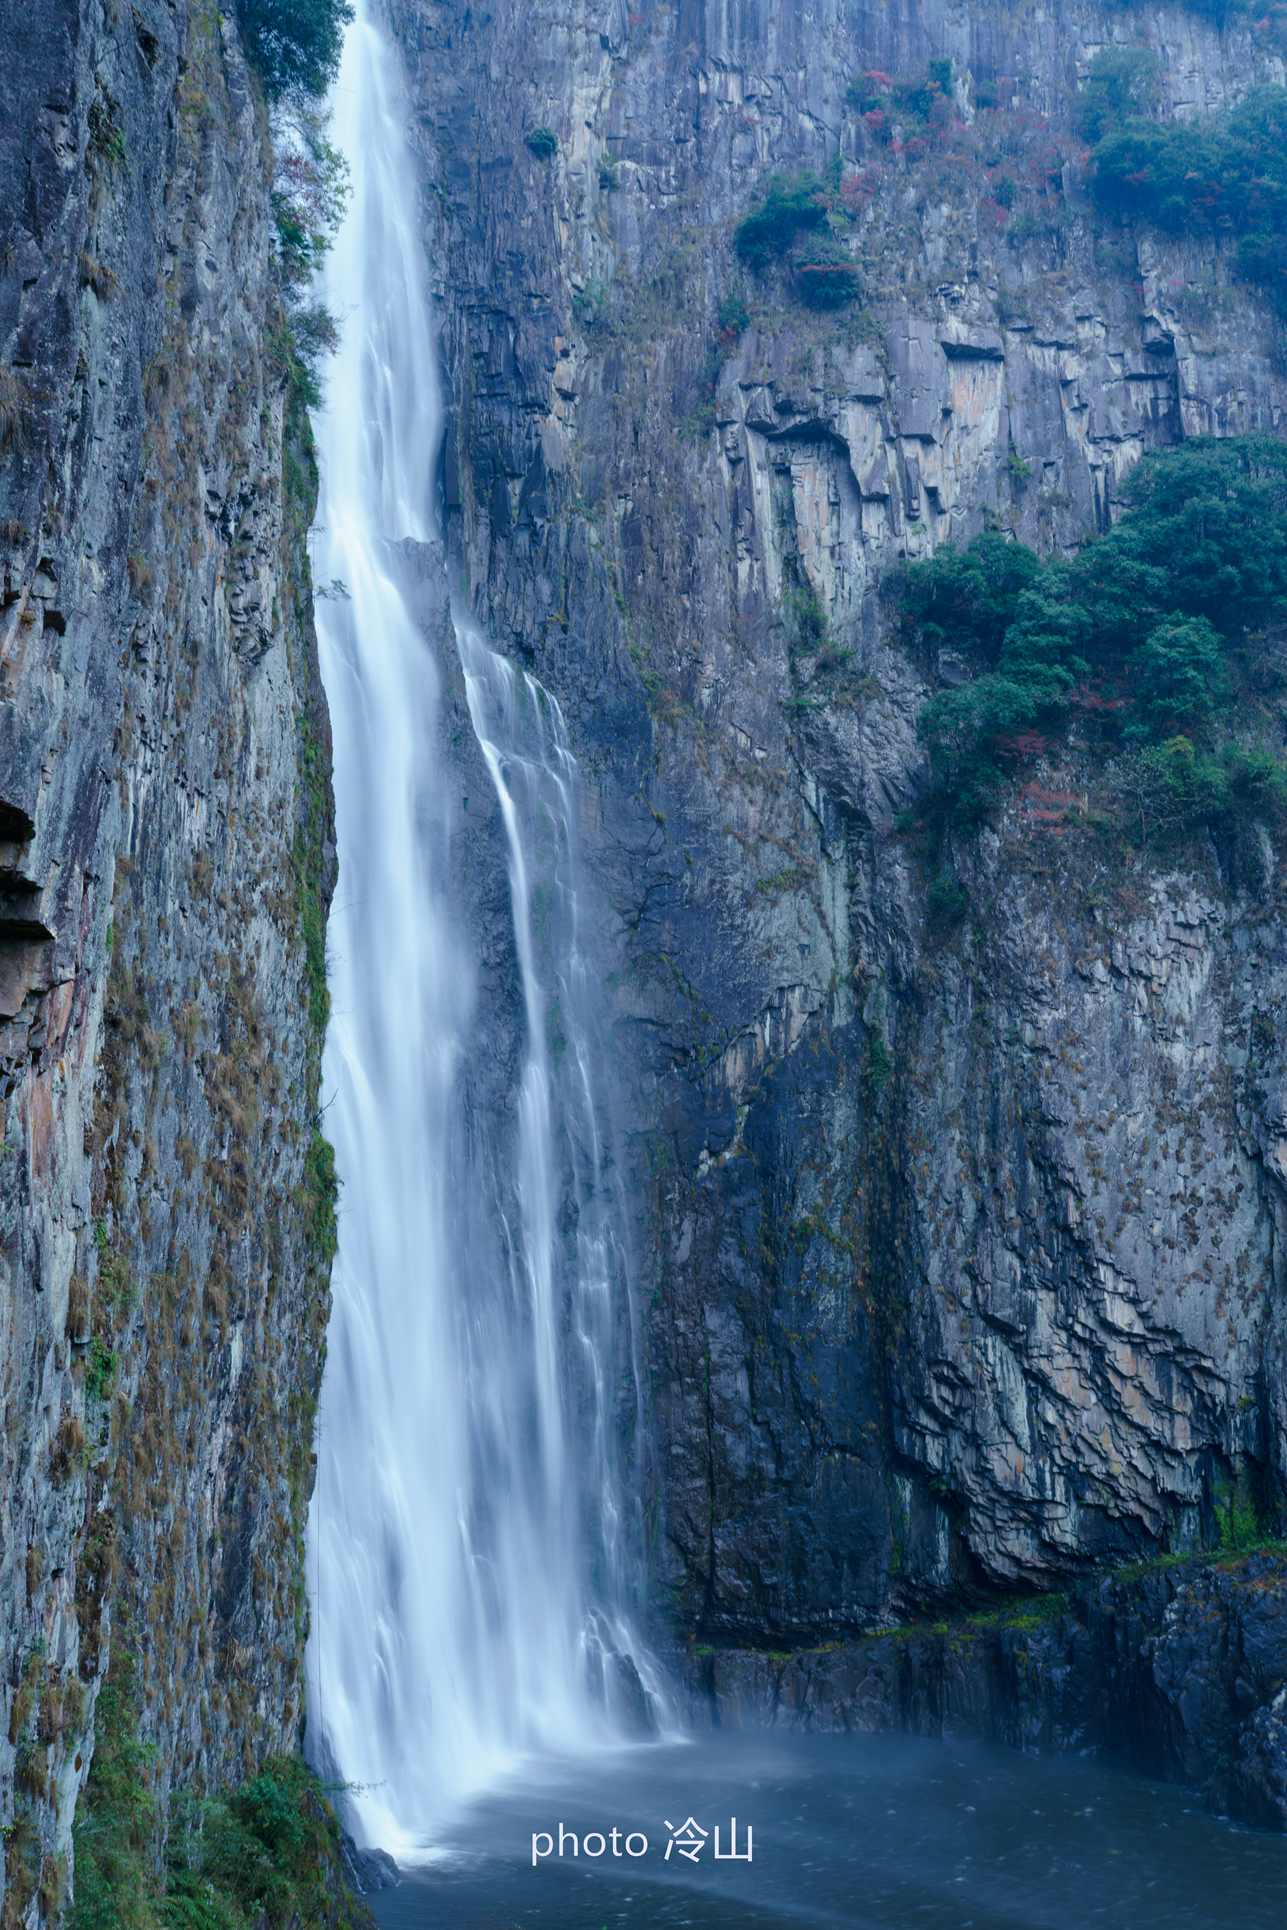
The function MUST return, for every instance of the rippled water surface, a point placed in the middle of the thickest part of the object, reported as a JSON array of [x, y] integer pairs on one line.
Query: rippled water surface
[[856, 1830]]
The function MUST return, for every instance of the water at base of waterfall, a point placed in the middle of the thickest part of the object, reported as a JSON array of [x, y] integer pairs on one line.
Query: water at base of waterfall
[[887, 1833]]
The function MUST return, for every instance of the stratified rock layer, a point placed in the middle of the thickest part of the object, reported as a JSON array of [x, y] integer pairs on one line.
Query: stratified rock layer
[[959, 1238], [1181, 1671], [958, 1243], [164, 812]]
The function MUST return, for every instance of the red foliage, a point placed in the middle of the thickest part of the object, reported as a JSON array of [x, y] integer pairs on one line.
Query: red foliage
[[1024, 743], [300, 178], [1096, 703], [1033, 159], [1046, 810], [858, 192]]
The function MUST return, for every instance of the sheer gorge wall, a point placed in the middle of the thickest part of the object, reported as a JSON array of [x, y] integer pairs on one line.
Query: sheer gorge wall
[[960, 1214], [933, 1157]]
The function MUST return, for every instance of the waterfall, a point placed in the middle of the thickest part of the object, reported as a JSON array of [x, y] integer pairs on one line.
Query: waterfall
[[467, 1540]]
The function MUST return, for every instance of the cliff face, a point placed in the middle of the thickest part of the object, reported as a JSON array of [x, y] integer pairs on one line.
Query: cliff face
[[1178, 1669], [960, 1235], [959, 1232], [164, 771]]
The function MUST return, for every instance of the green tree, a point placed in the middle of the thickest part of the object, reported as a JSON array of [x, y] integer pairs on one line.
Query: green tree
[[296, 44], [1178, 675], [969, 597], [1040, 662], [826, 276], [1121, 86], [116, 1817], [1223, 173], [1138, 629], [793, 205], [1204, 533]]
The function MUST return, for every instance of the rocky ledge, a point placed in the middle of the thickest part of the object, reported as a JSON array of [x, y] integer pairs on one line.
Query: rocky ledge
[[1178, 1668]]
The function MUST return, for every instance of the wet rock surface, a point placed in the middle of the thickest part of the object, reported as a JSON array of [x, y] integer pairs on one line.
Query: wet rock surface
[[957, 1250], [958, 1240], [1180, 1671], [164, 829]]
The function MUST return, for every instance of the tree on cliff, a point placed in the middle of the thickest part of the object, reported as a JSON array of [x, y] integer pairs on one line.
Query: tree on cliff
[[1144, 634], [295, 43]]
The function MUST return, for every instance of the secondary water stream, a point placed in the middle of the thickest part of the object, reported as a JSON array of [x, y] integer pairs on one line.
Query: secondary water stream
[[466, 1548]]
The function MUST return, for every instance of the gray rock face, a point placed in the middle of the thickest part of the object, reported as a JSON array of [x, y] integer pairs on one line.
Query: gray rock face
[[1179, 1670], [164, 825], [962, 1242], [960, 1245]]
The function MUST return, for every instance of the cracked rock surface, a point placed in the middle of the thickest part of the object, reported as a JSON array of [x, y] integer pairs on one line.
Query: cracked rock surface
[[1179, 1670], [958, 1244], [164, 810]]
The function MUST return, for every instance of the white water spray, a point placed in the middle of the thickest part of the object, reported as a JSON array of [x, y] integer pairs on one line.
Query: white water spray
[[465, 1543]]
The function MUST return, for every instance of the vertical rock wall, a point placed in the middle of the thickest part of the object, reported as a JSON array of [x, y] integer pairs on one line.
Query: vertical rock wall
[[960, 1242], [165, 1221], [960, 1237]]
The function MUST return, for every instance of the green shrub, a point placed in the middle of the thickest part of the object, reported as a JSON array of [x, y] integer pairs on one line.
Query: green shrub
[[116, 1817], [1137, 631], [877, 1070], [1122, 84], [1166, 788], [322, 1189], [1178, 676], [1203, 535], [262, 1857], [826, 276], [609, 173], [1039, 665], [868, 90], [295, 44], [589, 304], [311, 190], [946, 902], [970, 596], [316, 332], [733, 314], [310, 194], [544, 143], [1238, 1527], [1221, 174], [793, 205], [259, 1855], [792, 225], [313, 921], [807, 628], [100, 1370], [913, 101], [105, 149]]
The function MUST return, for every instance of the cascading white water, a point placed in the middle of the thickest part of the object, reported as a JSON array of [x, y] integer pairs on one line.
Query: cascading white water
[[524, 741], [465, 1537]]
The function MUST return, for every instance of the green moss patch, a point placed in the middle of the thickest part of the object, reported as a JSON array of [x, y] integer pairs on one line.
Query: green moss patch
[[265, 1855]]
